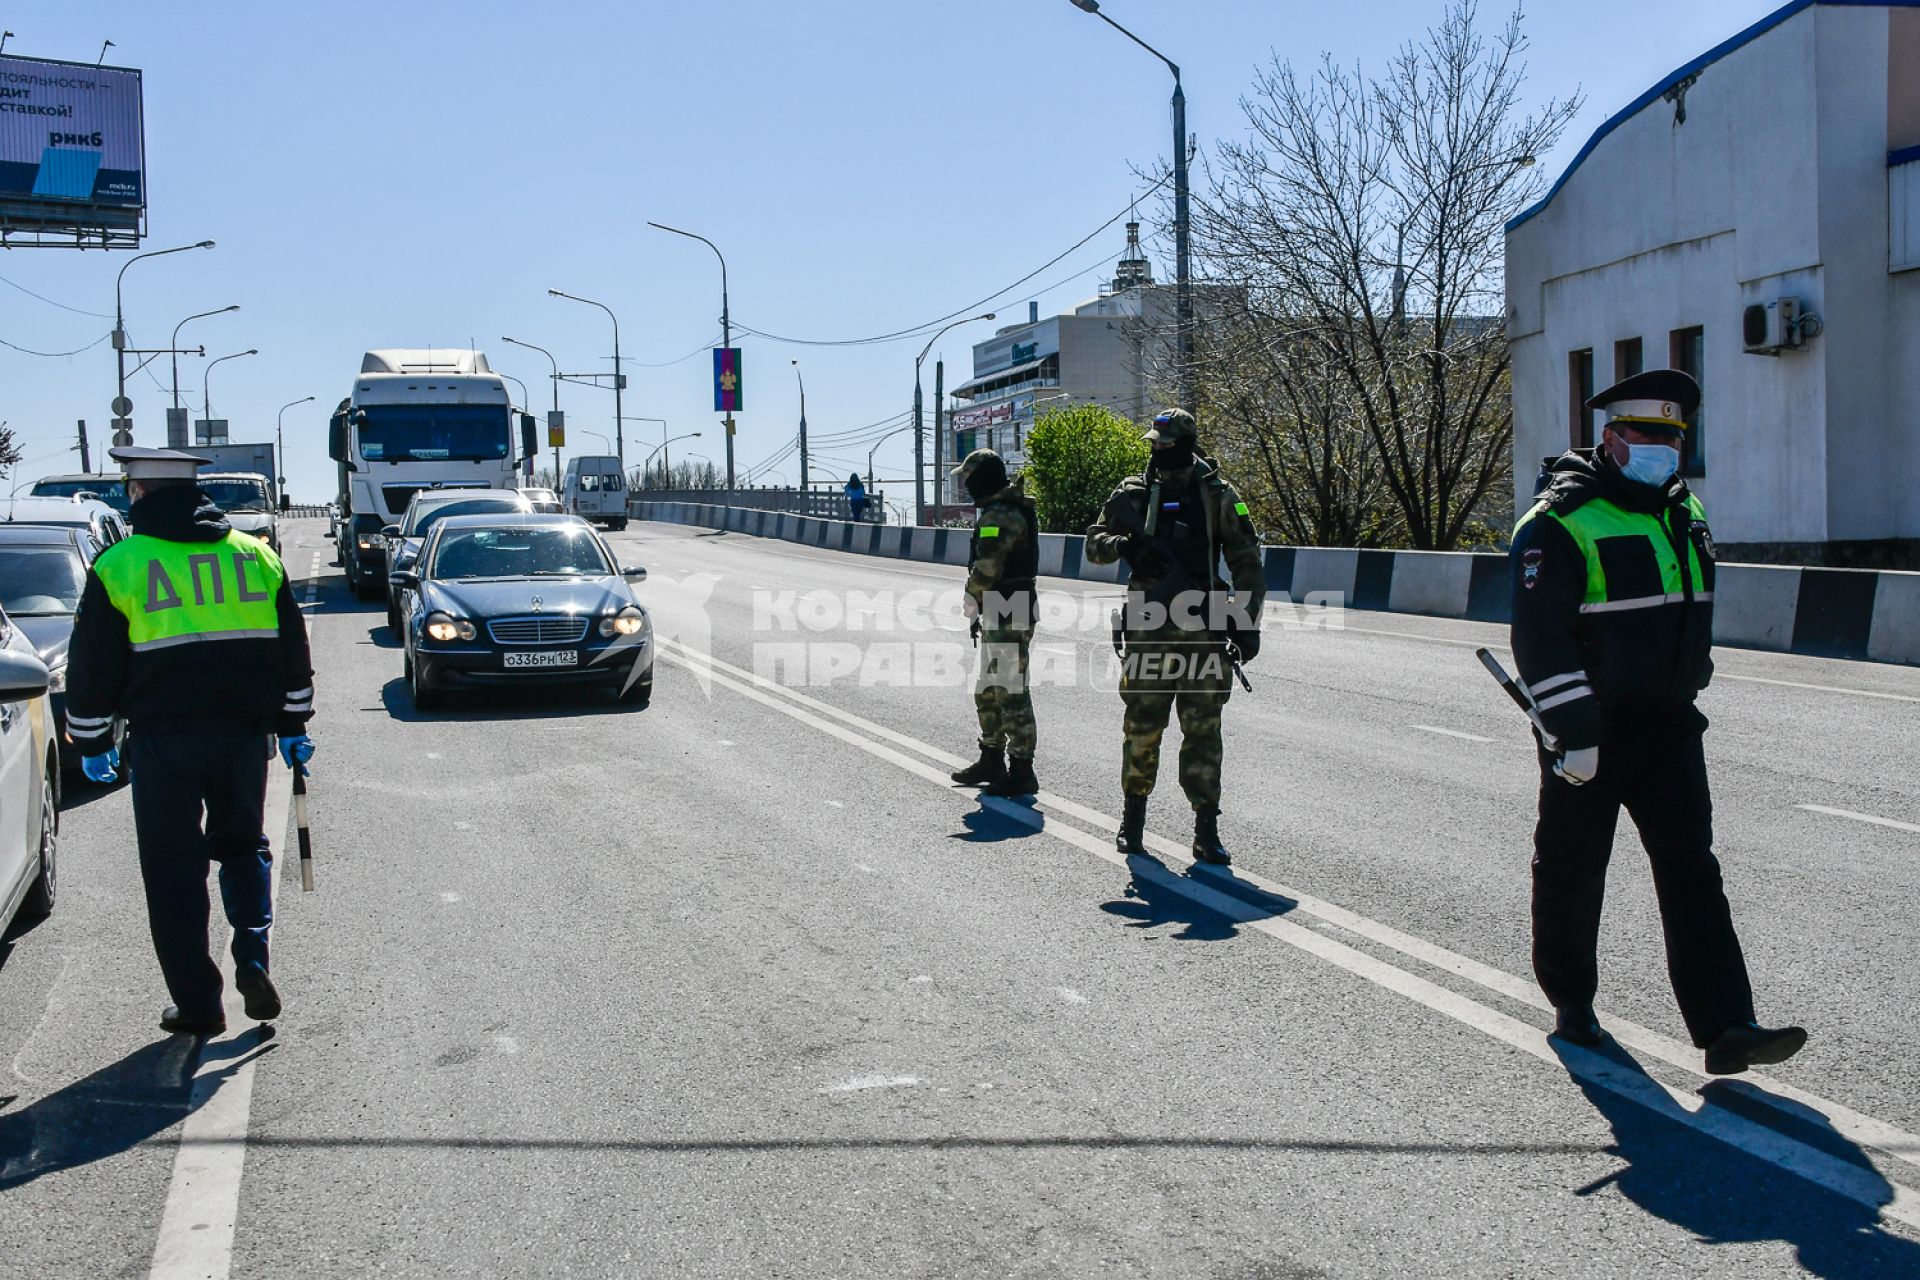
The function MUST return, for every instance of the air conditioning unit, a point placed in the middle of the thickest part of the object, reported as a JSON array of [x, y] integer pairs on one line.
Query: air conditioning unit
[[1768, 328]]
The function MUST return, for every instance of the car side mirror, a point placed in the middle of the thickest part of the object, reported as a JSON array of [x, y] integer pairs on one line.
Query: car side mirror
[[404, 578], [390, 531], [22, 676], [286, 502], [634, 573]]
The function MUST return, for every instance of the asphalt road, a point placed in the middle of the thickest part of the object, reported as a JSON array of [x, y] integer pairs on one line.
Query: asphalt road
[[735, 984]]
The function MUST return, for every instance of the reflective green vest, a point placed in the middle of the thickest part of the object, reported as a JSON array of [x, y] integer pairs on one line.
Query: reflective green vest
[[1632, 562], [174, 593]]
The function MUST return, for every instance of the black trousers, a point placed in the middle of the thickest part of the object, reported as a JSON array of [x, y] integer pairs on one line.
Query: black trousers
[[177, 778], [1653, 764]]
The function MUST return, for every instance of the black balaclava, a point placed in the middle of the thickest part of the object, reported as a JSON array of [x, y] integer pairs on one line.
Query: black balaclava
[[1175, 455], [986, 479]]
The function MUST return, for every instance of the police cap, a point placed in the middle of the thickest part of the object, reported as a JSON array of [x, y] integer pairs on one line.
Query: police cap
[[1657, 400], [158, 464]]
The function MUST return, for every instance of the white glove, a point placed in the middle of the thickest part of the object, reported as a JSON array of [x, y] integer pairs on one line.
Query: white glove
[[1578, 766]]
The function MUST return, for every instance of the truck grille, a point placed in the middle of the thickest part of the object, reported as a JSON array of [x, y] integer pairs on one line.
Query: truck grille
[[399, 495], [560, 628]]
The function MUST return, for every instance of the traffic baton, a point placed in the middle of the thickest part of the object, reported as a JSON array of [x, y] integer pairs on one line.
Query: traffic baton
[[1520, 696], [302, 832]]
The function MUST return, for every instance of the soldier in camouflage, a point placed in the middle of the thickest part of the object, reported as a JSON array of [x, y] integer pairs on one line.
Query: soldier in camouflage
[[1174, 525], [1001, 569]]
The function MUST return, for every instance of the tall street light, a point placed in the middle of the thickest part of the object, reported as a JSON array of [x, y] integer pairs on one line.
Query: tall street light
[[667, 462], [206, 383], [876, 444], [280, 445], [554, 419], [120, 322], [803, 426], [175, 344], [691, 435], [619, 379], [919, 432], [1183, 275], [726, 324]]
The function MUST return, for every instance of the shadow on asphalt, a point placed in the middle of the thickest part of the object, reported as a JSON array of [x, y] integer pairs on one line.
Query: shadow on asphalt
[[1155, 897], [506, 703], [1724, 1196], [77, 793], [994, 821], [113, 1110]]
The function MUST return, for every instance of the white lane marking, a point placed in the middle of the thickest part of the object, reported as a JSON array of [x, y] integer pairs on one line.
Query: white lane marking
[[921, 978], [1451, 733], [836, 804], [860, 1083], [1853, 1125], [1860, 817], [1820, 688], [203, 1197], [506, 1044], [449, 896], [1070, 995]]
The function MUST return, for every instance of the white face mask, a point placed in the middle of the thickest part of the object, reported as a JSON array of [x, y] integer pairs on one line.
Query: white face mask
[[1651, 464]]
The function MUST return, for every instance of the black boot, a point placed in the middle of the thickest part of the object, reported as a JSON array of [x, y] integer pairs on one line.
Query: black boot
[[171, 1019], [1019, 780], [1576, 1024], [1133, 825], [989, 768], [1206, 838], [1752, 1045], [256, 990]]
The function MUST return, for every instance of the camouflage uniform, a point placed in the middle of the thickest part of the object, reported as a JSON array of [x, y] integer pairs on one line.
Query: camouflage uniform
[[1178, 661], [1000, 582]]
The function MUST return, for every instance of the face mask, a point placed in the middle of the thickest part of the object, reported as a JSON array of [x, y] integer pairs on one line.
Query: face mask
[[1651, 464], [1174, 455]]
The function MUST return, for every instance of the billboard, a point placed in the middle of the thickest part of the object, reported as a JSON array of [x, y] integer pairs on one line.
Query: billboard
[[72, 153]]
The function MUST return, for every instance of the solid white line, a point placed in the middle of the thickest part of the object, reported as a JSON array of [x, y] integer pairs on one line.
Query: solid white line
[[1861, 817], [1451, 733], [1818, 688], [1853, 1125]]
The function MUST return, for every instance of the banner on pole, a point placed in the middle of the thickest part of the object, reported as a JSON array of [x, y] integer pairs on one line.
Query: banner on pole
[[727, 396], [556, 429]]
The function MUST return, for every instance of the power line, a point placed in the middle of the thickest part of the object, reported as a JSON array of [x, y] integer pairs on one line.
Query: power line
[[54, 355], [98, 315]]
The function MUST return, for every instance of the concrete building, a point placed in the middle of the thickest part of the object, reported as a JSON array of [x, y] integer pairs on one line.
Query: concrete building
[[1754, 219]]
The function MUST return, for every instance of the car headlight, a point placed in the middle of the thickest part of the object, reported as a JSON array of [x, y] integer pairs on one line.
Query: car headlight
[[625, 623], [57, 679], [442, 626], [368, 541]]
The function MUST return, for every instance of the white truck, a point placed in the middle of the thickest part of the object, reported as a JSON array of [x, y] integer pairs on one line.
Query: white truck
[[595, 490], [429, 418]]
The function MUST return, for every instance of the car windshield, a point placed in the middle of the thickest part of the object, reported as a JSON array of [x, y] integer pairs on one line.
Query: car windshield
[[110, 490], [399, 432], [538, 495], [236, 495], [425, 517], [553, 552], [40, 581]]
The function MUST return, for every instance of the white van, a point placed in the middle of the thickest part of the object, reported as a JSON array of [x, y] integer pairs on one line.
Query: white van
[[596, 491]]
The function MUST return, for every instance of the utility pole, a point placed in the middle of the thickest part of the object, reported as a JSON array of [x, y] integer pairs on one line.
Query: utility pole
[[939, 440], [86, 460], [803, 432], [726, 331], [920, 435]]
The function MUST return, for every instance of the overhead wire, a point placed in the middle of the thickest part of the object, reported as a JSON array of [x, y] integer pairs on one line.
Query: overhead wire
[[54, 355], [97, 315]]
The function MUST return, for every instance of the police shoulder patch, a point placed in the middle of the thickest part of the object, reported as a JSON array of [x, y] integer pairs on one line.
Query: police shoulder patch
[[1530, 561]]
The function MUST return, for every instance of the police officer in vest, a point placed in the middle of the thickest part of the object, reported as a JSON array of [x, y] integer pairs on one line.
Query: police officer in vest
[[1612, 629], [189, 630], [1002, 569]]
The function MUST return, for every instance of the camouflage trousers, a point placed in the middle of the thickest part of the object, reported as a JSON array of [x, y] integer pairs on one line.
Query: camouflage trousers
[[1164, 670], [1001, 695]]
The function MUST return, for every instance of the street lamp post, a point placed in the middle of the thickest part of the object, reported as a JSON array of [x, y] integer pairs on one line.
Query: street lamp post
[[876, 444], [619, 379], [120, 322], [175, 353], [280, 446], [726, 327], [206, 383], [803, 426], [691, 435], [919, 432], [556, 397], [1183, 275], [666, 463]]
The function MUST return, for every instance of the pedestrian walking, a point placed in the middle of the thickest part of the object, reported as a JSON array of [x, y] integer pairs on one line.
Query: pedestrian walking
[[1003, 565], [856, 497], [189, 630], [1613, 578], [1174, 524]]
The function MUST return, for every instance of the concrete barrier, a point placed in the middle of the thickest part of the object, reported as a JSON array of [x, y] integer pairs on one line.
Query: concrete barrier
[[1842, 613]]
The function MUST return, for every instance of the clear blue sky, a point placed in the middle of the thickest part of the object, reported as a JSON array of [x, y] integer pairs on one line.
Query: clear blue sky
[[420, 174]]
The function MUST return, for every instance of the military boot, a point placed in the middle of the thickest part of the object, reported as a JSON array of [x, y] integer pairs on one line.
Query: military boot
[[991, 767], [1133, 826], [1206, 838], [1019, 779]]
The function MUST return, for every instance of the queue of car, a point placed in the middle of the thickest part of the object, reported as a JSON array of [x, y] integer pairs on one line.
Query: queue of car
[[424, 510]]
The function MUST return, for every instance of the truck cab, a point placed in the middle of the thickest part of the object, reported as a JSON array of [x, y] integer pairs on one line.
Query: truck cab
[[595, 489]]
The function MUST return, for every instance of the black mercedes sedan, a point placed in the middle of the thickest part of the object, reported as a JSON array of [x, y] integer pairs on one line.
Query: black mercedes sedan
[[523, 599]]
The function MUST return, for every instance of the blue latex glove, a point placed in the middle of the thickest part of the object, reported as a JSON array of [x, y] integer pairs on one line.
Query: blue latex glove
[[296, 751], [102, 768]]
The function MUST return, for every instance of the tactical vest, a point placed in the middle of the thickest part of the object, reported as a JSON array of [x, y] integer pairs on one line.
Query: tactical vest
[[175, 593], [1023, 562]]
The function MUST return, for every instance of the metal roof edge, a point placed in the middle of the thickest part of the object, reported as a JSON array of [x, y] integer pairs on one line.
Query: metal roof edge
[[1707, 59]]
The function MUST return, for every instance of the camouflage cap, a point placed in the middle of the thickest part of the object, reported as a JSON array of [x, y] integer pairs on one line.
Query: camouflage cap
[[1173, 424], [973, 462]]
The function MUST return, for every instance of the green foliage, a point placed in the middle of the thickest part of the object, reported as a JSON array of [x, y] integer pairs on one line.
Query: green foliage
[[1076, 456]]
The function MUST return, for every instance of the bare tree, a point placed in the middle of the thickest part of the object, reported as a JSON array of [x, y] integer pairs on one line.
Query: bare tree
[[1362, 221]]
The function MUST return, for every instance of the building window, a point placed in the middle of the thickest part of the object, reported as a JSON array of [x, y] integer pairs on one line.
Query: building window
[[1629, 358], [1687, 352], [1579, 391]]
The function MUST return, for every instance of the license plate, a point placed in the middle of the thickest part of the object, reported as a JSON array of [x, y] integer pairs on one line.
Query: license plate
[[552, 658]]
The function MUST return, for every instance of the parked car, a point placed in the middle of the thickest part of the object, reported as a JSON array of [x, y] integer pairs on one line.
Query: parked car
[[545, 501], [109, 487], [29, 787], [426, 509], [105, 524], [246, 502], [532, 599], [42, 572]]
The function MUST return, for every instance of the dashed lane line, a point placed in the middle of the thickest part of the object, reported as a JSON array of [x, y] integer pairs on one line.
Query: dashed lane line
[[1853, 1125], [1451, 733], [1861, 817]]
